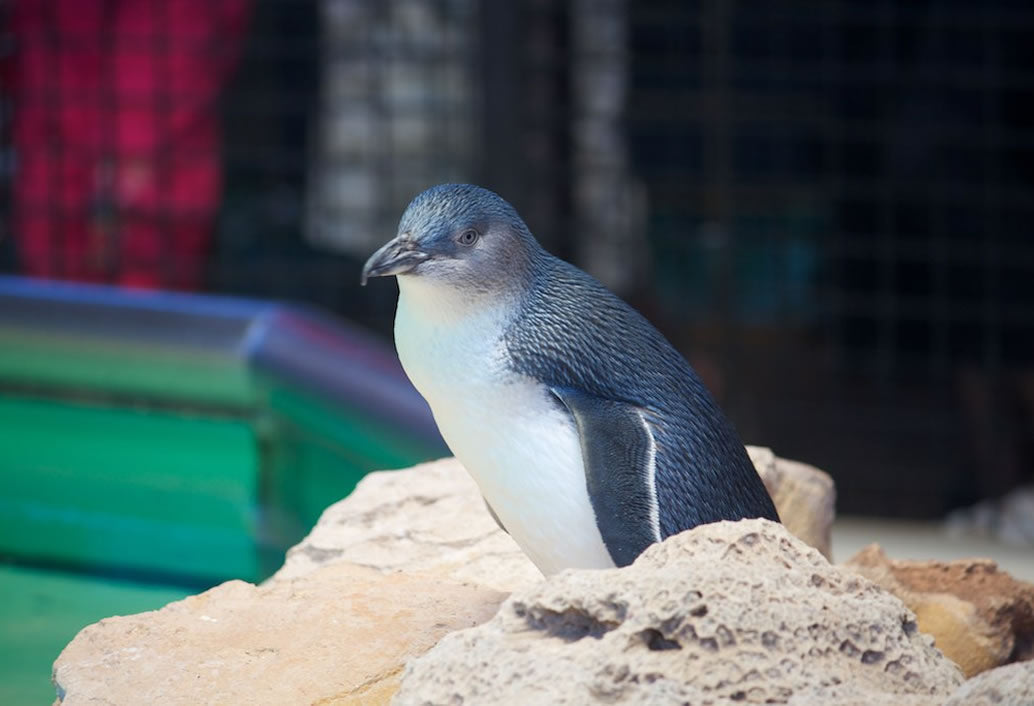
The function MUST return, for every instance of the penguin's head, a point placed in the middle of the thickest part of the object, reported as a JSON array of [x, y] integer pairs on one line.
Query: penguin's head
[[459, 237]]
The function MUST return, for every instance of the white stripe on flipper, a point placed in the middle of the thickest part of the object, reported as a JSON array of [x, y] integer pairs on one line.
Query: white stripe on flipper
[[651, 478]]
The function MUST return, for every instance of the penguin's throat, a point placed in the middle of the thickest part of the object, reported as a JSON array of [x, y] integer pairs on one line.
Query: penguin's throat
[[446, 305]]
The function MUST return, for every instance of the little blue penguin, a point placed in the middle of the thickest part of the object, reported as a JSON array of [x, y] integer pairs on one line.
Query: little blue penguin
[[588, 434]]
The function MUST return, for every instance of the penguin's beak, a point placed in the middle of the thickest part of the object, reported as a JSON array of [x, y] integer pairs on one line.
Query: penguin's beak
[[396, 257]]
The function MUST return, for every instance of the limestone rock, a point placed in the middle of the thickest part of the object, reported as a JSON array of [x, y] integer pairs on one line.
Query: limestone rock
[[428, 518], [803, 495], [979, 616], [432, 518], [723, 613], [339, 635], [837, 696], [1011, 685]]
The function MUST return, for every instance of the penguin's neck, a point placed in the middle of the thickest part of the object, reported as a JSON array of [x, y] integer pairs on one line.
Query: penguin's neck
[[448, 340], [443, 305]]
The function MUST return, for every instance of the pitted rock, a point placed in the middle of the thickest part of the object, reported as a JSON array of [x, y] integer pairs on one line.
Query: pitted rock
[[738, 612]]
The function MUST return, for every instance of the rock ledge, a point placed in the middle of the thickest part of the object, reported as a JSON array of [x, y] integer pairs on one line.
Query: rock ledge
[[724, 613]]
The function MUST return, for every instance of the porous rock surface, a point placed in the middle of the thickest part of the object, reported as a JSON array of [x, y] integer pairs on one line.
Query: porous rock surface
[[339, 635], [1011, 685], [432, 518], [726, 613], [979, 616]]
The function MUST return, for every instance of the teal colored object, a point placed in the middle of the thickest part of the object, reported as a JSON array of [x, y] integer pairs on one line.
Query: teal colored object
[[155, 444], [147, 490], [40, 613]]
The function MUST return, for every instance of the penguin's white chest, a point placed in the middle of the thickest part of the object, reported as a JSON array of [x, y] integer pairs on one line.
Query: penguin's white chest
[[520, 446]]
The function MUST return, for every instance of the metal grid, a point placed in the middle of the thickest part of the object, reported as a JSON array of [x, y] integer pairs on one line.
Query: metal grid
[[849, 184], [882, 147], [826, 204]]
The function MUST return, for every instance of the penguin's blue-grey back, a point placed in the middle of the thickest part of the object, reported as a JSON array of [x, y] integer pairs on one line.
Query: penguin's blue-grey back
[[573, 332]]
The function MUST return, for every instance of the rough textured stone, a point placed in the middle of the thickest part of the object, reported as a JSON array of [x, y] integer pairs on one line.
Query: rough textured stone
[[1011, 685], [432, 518], [838, 696], [427, 518], [804, 496], [729, 612], [339, 635], [979, 616]]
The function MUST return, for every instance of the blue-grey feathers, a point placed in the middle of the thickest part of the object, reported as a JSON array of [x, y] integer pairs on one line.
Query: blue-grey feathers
[[458, 205], [574, 334]]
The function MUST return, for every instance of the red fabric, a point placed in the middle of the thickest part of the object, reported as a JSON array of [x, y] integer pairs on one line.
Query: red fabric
[[116, 131]]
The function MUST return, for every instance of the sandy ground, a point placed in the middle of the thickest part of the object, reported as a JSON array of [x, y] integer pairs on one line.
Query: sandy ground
[[902, 539]]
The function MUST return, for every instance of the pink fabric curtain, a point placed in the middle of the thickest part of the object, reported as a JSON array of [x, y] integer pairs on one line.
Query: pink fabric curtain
[[117, 135]]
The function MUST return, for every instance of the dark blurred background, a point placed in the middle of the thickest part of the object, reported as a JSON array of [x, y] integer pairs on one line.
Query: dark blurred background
[[826, 205]]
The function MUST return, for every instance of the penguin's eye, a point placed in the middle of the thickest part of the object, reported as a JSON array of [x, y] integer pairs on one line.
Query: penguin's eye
[[468, 237]]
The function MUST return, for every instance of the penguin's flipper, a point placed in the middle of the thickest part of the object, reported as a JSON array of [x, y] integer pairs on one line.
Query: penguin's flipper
[[494, 516], [618, 450]]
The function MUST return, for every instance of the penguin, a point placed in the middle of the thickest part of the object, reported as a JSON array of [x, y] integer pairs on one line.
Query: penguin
[[589, 436]]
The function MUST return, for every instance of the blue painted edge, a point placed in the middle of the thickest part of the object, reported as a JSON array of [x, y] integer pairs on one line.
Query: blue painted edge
[[299, 345]]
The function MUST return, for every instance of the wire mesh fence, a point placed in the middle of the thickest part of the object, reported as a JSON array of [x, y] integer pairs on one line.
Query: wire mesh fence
[[826, 205]]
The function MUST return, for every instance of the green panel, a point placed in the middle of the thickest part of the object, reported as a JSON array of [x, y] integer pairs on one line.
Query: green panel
[[145, 489], [41, 611], [327, 479], [116, 366], [321, 452], [369, 443], [304, 477]]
